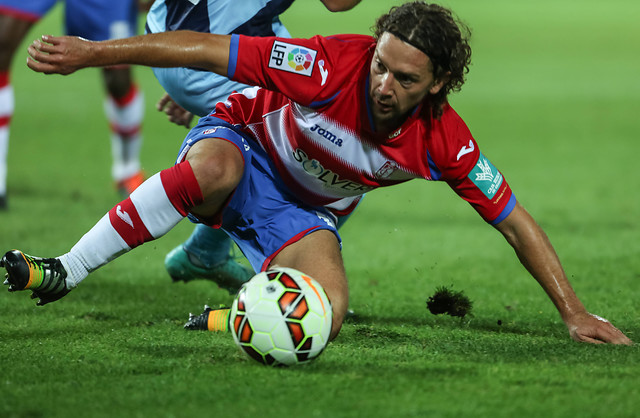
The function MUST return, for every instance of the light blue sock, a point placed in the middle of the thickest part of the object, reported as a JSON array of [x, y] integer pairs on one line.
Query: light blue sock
[[207, 246]]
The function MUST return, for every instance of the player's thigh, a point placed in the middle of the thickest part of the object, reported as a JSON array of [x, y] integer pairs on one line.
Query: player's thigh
[[16, 18], [318, 255], [12, 32], [99, 20]]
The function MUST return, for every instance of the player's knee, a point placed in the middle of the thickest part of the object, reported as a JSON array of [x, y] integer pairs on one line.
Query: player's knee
[[117, 81], [217, 165]]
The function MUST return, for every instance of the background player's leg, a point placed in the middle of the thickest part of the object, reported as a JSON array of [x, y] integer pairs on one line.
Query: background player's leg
[[124, 107], [12, 31], [207, 254], [99, 20]]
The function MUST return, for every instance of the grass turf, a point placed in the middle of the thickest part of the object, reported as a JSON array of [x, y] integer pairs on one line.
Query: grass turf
[[551, 98]]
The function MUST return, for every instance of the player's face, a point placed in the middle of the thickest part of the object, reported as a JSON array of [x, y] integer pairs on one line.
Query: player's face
[[401, 76]]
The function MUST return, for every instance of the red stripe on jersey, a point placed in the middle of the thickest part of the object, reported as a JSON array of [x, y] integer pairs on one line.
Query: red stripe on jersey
[[4, 121], [126, 221], [181, 187]]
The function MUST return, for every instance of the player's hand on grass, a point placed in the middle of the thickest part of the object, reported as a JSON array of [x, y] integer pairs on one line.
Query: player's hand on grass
[[59, 54], [176, 113], [586, 327]]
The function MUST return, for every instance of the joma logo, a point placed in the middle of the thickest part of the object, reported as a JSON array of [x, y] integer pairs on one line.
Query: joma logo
[[327, 135]]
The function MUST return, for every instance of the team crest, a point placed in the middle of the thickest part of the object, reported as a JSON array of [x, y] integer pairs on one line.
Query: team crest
[[386, 170], [292, 58]]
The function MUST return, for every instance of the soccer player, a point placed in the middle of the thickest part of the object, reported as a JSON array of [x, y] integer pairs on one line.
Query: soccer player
[[124, 107], [333, 118], [207, 252]]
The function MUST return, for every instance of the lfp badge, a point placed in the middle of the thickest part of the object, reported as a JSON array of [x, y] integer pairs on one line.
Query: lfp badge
[[292, 58]]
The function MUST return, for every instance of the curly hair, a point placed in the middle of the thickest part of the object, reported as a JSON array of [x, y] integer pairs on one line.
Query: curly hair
[[435, 31]]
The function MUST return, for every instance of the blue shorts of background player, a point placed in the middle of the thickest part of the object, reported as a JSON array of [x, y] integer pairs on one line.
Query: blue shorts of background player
[[249, 217], [97, 20]]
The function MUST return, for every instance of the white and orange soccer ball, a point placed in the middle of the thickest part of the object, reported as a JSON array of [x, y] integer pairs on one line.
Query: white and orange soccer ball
[[281, 317]]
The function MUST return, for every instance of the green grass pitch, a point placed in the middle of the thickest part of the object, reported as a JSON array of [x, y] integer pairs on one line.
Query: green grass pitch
[[553, 99]]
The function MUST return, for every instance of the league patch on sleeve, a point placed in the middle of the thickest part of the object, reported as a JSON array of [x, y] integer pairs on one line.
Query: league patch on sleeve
[[292, 58], [486, 177]]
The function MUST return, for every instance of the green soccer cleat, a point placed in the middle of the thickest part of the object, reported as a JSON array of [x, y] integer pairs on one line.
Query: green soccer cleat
[[45, 277], [227, 274]]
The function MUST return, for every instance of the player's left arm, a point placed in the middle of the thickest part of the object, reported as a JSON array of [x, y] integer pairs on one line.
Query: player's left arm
[[479, 182], [536, 253]]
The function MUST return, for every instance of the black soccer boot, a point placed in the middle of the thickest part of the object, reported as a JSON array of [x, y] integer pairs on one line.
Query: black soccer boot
[[45, 277]]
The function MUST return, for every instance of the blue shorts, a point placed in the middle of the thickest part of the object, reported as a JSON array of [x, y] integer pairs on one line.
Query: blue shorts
[[95, 20], [262, 216]]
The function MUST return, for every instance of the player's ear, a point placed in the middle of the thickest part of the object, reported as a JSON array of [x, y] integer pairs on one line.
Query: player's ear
[[438, 84]]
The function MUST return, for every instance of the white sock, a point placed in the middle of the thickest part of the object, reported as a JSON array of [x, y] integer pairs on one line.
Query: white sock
[[149, 212], [6, 112]]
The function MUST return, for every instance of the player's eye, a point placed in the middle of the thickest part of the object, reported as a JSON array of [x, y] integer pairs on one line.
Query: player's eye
[[406, 81]]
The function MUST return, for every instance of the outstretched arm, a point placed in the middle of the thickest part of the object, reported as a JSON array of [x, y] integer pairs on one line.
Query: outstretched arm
[[66, 54], [538, 256]]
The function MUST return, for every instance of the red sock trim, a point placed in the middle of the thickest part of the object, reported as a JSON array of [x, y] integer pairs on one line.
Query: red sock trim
[[181, 187], [126, 221], [4, 82], [4, 79], [125, 134], [127, 98]]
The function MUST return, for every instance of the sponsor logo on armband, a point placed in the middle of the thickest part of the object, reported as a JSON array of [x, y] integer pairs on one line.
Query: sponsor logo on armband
[[486, 177], [292, 58]]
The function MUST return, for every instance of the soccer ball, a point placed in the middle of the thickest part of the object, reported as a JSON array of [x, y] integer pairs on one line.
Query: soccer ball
[[281, 317]]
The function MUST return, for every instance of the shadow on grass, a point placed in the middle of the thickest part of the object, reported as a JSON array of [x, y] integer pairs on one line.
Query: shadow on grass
[[485, 325], [478, 340]]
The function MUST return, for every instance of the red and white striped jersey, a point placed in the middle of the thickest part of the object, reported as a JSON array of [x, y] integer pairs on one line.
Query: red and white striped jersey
[[311, 115]]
